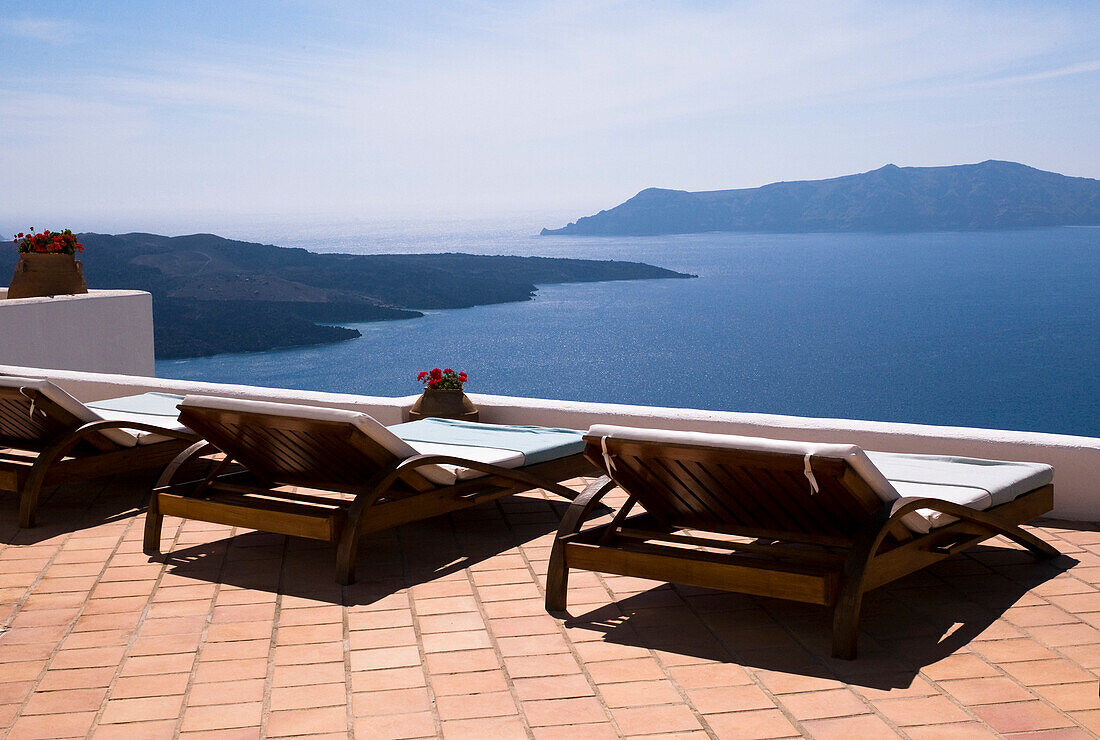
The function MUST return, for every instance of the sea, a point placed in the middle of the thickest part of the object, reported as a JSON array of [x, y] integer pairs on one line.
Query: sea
[[992, 329]]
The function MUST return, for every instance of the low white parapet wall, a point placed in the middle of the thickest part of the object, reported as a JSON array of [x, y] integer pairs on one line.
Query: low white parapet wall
[[1076, 460], [102, 331]]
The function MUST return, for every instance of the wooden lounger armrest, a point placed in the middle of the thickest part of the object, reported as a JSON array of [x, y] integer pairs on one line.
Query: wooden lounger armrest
[[557, 576], [381, 482], [904, 506], [198, 449], [97, 426], [892, 512], [65, 444], [55, 452], [850, 595], [419, 461], [582, 506]]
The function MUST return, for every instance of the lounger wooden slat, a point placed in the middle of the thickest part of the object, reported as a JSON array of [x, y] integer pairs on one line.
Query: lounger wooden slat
[[829, 525], [370, 486]]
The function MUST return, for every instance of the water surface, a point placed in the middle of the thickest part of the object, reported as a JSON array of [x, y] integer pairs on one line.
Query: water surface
[[984, 329]]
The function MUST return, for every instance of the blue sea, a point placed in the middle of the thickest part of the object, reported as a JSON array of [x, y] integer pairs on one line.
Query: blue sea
[[980, 329]]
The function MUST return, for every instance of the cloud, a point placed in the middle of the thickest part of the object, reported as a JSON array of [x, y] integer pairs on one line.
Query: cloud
[[524, 104], [1050, 74], [52, 31]]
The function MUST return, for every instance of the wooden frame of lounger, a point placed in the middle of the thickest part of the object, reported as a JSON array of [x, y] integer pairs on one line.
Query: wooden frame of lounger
[[44, 444], [333, 457], [829, 548]]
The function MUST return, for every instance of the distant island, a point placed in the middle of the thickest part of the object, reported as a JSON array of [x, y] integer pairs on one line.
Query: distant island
[[989, 195], [213, 295]]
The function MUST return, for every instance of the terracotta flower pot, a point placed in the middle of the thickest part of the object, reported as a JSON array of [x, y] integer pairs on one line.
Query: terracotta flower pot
[[46, 275], [443, 405]]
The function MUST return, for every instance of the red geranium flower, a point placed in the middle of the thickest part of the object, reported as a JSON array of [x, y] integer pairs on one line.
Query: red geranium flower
[[48, 242], [443, 380]]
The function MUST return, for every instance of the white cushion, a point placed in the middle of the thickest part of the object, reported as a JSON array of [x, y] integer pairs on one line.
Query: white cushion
[[971, 482]]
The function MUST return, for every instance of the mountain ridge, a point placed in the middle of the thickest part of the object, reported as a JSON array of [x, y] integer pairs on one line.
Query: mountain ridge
[[986, 195], [213, 295]]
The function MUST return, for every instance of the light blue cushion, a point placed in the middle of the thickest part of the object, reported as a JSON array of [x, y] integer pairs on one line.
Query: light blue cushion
[[158, 409], [151, 404], [937, 475], [536, 444]]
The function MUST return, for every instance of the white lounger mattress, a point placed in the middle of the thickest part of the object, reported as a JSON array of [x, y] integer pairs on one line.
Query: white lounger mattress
[[158, 409], [563, 442], [973, 482]]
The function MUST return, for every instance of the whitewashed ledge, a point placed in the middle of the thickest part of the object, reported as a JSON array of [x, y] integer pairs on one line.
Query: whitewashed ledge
[[1076, 460], [107, 331]]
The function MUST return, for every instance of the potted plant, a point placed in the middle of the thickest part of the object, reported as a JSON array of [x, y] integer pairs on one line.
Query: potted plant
[[443, 397], [47, 265]]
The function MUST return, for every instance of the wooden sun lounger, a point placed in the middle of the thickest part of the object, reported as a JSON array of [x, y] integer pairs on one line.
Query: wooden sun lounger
[[813, 523], [47, 437], [327, 474]]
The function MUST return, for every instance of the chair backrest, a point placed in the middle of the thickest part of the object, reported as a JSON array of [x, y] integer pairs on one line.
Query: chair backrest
[[310, 446], [729, 483], [35, 413]]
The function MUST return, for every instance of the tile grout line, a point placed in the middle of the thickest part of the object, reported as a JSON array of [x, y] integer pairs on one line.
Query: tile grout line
[[1052, 648], [133, 636], [560, 623], [936, 683], [749, 670], [269, 677], [38, 579], [942, 691], [509, 681], [702, 719], [205, 629], [874, 711], [411, 601], [345, 633], [613, 600], [50, 562]]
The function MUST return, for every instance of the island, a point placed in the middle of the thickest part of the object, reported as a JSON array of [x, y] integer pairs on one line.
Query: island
[[213, 295], [988, 195]]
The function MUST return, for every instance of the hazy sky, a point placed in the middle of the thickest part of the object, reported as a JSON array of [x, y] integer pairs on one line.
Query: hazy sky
[[130, 112]]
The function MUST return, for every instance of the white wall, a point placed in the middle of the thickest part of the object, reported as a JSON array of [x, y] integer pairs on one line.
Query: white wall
[[1076, 460], [105, 331]]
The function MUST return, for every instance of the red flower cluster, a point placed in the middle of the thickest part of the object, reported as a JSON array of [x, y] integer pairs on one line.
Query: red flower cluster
[[49, 242], [442, 380]]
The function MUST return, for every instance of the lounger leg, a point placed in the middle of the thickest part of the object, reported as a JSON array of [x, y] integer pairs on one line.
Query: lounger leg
[[346, 555], [557, 581], [348, 549], [154, 522], [557, 577], [28, 501], [849, 601], [1036, 546], [32, 487], [849, 598], [846, 627]]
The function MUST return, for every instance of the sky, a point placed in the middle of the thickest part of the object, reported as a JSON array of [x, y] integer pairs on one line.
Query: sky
[[133, 115]]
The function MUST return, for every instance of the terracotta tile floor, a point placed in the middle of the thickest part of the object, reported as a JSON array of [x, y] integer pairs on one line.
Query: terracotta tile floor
[[246, 635]]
